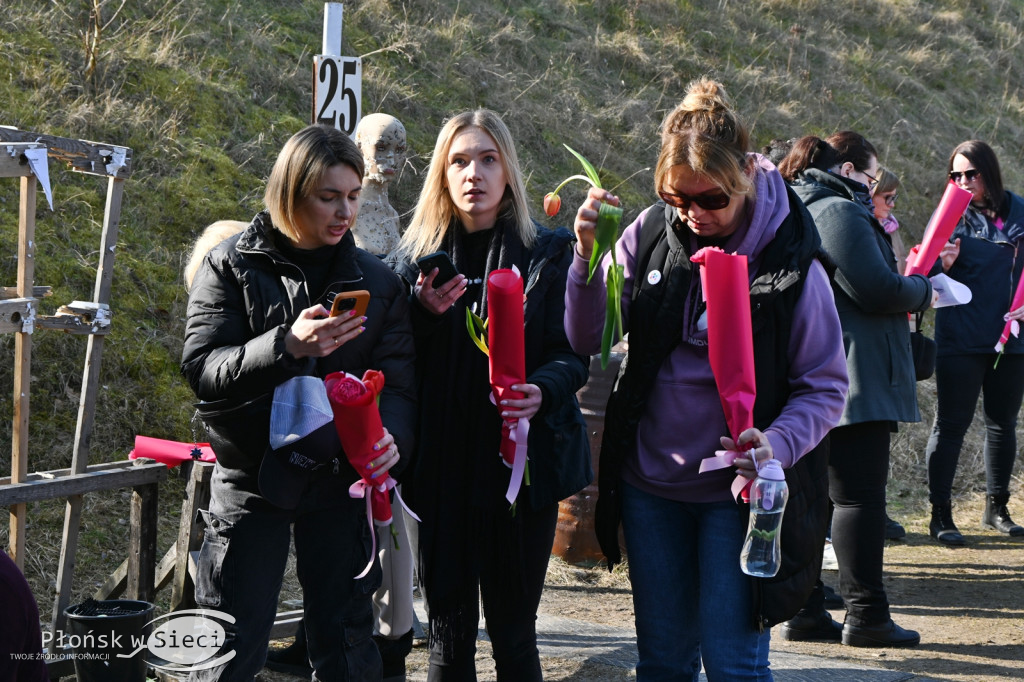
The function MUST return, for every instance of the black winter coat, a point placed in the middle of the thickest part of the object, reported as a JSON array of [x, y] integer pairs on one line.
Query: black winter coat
[[559, 450], [990, 264], [244, 299]]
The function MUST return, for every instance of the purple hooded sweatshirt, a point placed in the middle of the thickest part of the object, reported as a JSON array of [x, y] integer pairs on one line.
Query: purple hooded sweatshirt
[[684, 420]]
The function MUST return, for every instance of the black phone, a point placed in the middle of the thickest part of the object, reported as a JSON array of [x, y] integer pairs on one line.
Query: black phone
[[440, 260]]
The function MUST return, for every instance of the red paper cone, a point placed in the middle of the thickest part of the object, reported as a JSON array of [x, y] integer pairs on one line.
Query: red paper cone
[[505, 339], [357, 421]]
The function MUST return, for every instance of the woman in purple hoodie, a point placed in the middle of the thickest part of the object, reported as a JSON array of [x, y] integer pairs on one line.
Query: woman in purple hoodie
[[684, 529]]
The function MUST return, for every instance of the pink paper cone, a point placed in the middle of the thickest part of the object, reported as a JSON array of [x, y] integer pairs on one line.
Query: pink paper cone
[[171, 452], [940, 227]]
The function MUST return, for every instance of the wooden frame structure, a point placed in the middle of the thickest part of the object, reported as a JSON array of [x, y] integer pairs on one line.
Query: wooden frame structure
[[19, 315]]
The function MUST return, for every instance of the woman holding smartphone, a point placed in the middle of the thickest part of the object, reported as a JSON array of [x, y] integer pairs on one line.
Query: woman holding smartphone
[[472, 546], [258, 319]]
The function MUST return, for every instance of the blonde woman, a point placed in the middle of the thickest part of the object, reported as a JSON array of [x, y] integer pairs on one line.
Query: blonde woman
[[472, 546]]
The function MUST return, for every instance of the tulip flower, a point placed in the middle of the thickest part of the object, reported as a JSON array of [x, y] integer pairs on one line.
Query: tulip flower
[[552, 204], [605, 234]]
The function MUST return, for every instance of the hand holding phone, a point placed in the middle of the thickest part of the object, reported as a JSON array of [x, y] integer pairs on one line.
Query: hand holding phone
[[351, 300], [440, 260]]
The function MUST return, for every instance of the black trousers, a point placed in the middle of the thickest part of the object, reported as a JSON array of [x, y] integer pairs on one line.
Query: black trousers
[[498, 558], [959, 380], [858, 471]]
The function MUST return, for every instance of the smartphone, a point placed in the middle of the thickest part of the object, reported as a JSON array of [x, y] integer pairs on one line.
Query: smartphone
[[440, 260], [351, 300]]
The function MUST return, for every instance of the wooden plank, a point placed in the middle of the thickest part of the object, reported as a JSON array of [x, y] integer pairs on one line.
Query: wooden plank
[[117, 582], [87, 402], [190, 534], [57, 473], [37, 292], [14, 312], [286, 624], [22, 365], [13, 162], [94, 158], [78, 484], [73, 324], [142, 543], [66, 568]]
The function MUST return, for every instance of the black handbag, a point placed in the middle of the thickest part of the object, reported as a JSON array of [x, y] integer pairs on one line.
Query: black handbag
[[923, 350]]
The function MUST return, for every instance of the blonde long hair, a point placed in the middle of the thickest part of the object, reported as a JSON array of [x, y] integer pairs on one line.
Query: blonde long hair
[[435, 210], [705, 134], [214, 234]]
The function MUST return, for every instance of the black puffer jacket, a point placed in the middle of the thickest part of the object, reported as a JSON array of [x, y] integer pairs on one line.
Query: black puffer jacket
[[242, 302]]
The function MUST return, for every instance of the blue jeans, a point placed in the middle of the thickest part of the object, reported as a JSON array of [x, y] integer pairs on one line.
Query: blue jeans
[[692, 602], [241, 567]]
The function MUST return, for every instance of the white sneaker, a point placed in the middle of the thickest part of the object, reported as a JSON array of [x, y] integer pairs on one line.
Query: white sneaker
[[828, 558]]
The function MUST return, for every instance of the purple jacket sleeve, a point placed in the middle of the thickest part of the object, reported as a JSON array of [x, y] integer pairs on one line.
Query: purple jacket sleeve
[[817, 373]]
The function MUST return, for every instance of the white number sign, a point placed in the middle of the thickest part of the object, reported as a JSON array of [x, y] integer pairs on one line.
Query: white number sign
[[337, 91]]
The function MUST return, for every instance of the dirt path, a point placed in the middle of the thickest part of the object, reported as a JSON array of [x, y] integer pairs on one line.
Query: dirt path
[[967, 603]]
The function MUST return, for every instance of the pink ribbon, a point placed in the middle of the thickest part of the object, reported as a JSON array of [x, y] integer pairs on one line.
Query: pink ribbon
[[362, 489]]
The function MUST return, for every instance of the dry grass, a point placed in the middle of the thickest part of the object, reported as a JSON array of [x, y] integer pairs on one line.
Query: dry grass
[[205, 93]]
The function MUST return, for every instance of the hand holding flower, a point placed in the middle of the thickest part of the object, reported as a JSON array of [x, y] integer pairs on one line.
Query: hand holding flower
[[587, 218], [602, 211]]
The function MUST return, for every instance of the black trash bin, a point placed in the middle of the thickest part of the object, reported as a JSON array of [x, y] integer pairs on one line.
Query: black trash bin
[[100, 630]]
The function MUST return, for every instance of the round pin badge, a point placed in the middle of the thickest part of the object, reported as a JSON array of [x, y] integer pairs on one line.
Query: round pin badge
[[653, 277]]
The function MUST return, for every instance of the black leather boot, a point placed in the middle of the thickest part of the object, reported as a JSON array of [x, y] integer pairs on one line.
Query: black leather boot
[[942, 527], [392, 656], [998, 518], [294, 658]]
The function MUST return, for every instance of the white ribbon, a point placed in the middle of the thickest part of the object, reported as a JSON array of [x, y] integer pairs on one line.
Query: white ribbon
[[520, 436]]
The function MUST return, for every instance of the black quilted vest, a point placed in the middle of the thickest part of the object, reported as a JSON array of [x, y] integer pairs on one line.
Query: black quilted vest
[[656, 327]]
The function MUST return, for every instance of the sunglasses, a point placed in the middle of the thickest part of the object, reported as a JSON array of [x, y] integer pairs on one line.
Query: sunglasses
[[709, 202], [967, 175]]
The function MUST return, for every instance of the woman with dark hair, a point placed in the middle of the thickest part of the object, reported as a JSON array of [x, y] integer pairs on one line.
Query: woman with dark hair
[[684, 529], [984, 255], [258, 320], [833, 177]]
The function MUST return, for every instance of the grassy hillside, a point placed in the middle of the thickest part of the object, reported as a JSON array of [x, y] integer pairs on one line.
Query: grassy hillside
[[205, 93]]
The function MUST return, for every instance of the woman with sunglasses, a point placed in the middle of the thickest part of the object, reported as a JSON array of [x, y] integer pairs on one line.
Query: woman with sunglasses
[[684, 529], [834, 177], [984, 255]]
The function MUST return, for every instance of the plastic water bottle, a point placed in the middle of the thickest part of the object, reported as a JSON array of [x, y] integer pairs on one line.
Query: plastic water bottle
[[761, 555]]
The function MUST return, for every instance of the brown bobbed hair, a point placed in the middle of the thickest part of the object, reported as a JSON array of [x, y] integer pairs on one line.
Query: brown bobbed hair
[[300, 166]]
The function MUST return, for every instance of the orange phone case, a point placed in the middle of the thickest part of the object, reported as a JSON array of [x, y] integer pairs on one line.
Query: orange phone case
[[351, 300]]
